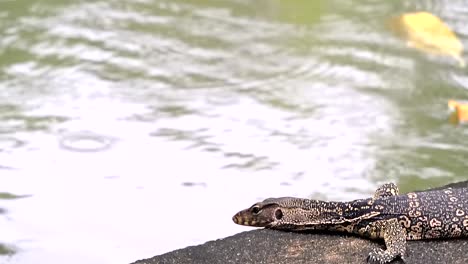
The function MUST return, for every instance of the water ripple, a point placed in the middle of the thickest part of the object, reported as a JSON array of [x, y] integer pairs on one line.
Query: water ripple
[[85, 141]]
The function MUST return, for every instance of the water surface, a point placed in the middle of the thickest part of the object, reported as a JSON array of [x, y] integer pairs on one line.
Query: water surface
[[132, 128]]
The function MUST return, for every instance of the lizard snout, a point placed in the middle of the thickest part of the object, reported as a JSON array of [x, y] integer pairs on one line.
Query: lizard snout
[[235, 218], [241, 219], [238, 219], [246, 218]]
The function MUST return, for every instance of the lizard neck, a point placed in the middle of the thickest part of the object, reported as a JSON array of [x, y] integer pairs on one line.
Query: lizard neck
[[323, 215], [347, 210]]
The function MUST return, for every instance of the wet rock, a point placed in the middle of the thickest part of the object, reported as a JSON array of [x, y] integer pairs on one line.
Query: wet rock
[[271, 246]]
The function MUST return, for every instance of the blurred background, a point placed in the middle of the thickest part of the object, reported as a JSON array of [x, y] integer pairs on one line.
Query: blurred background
[[133, 128]]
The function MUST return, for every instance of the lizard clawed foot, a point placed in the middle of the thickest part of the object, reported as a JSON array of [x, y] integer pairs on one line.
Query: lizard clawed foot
[[380, 256]]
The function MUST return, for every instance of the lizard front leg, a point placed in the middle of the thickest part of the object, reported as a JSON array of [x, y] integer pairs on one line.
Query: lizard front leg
[[386, 190], [394, 236]]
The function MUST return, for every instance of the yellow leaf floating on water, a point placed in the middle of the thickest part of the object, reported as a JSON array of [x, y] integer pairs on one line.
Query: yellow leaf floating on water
[[428, 33], [459, 111]]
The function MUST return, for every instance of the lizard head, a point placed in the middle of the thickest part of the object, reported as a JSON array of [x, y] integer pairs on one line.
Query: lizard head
[[260, 215], [286, 212]]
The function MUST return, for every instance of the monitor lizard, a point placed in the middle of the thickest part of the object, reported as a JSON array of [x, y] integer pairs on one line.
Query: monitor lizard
[[436, 213]]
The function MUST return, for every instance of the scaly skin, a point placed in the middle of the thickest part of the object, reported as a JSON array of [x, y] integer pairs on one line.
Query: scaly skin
[[431, 214]]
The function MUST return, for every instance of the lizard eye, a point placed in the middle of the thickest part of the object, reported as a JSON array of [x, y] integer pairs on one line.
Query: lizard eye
[[255, 209]]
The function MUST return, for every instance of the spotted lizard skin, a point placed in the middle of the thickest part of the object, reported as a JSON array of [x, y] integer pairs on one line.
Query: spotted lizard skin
[[438, 213]]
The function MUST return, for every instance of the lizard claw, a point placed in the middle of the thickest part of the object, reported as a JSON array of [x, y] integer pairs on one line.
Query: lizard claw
[[379, 256]]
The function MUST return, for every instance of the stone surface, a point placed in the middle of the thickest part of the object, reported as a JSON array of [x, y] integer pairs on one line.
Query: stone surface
[[271, 246]]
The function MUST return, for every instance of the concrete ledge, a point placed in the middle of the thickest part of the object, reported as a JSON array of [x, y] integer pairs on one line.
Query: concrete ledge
[[272, 246]]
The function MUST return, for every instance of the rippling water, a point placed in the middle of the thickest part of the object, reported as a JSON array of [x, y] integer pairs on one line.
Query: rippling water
[[132, 128]]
